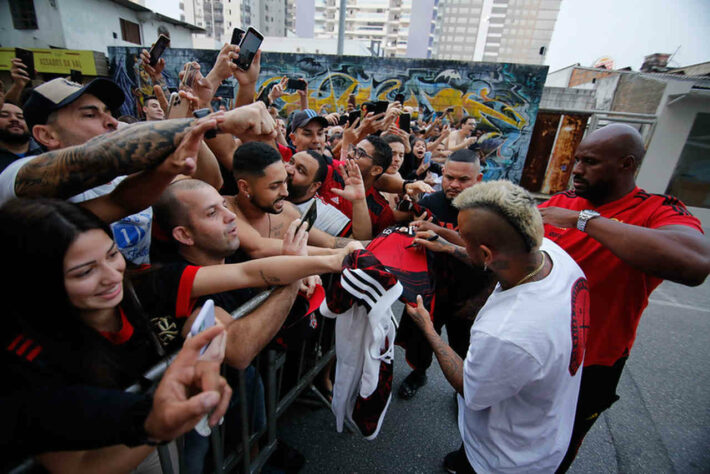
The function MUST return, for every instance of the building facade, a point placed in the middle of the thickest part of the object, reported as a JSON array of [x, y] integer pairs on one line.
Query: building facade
[[516, 31]]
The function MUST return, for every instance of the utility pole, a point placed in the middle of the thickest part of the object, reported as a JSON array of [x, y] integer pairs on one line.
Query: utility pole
[[341, 27]]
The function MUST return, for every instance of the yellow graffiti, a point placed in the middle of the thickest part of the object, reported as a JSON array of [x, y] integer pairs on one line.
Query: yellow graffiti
[[323, 96]]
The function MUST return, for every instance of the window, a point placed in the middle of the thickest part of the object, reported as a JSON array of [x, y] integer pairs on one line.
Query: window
[[130, 31], [691, 178], [23, 14]]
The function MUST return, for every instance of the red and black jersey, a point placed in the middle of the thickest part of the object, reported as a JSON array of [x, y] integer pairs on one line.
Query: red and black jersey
[[619, 292]]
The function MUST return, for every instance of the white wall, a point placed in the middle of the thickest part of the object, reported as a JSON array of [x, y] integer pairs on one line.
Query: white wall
[[559, 78], [49, 32], [672, 129]]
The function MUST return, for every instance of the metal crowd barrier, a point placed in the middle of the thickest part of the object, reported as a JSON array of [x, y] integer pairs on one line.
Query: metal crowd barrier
[[312, 359]]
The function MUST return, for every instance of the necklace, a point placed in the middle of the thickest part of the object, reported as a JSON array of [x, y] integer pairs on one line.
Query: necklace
[[534, 272]]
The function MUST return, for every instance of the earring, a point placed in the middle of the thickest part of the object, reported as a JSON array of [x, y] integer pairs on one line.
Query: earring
[[485, 267], [248, 196]]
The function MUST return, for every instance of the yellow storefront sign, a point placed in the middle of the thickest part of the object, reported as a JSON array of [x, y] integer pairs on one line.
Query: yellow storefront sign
[[56, 61]]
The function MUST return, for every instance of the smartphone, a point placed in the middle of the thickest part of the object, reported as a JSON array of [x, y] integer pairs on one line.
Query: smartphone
[[28, 59], [158, 48], [352, 116], [381, 106], [177, 107], [188, 78], [405, 122], [237, 35], [399, 98], [368, 107], [76, 76], [449, 110], [309, 217], [296, 84], [248, 47], [343, 119], [427, 158], [204, 320]]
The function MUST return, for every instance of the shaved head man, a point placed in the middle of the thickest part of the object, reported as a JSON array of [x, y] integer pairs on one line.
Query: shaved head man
[[627, 241]]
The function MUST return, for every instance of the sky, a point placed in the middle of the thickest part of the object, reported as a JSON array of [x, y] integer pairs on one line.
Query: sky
[[628, 30], [625, 30]]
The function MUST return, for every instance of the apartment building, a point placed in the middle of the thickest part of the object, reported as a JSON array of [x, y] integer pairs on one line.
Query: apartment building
[[494, 30], [382, 23], [267, 16]]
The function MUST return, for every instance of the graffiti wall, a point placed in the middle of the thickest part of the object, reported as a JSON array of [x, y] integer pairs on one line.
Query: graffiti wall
[[502, 97]]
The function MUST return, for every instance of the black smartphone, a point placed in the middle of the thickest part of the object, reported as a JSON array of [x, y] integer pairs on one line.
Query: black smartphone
[[309, 217], [343, 119], [28, 59], [76, 76], [449, 110], [248, 47], [352, 116], [237, 35], [381, 106], [158, 48], [399, 98], [405, 122], [296, 84], [368, 107]]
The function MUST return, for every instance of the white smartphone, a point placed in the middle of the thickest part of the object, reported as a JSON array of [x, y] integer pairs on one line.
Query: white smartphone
[[205, 319]]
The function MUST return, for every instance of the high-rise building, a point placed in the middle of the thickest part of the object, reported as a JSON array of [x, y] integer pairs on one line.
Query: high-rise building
[[494, 30], [384, 23], [267, 16], [207, 14]]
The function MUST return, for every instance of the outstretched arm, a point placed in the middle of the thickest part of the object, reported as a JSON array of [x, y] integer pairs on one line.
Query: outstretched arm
[[69, 171], [676, 252]]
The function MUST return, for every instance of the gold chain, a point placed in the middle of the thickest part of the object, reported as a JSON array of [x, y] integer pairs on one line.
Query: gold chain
[[534, 272]]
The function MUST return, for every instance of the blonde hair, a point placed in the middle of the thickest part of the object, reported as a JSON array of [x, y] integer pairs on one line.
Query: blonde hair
[[511, 202]]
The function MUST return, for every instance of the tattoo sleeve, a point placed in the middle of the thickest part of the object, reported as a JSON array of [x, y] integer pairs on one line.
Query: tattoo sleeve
[[449, 361], [69, 171]]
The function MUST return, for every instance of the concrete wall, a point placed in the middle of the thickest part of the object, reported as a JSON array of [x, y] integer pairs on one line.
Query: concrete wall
[[672, 129], [606, 87], [567, 99], [638, 94], [559, 78], [49, 32]]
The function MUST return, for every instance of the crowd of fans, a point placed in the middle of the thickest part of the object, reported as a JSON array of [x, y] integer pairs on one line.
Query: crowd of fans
[[118, 230]]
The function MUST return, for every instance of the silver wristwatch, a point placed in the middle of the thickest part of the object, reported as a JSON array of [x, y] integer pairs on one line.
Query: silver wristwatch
[[584, 217]]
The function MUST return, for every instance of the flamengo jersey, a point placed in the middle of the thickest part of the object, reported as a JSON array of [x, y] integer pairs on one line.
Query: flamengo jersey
[[522, 372], [619, 292]]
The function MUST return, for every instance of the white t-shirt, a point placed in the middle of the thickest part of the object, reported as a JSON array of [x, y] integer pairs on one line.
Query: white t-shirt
[[132, 233], [523, 370], [329, 219]]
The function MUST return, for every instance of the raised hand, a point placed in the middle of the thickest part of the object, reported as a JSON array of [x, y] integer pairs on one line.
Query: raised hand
[[354, 186], [155, 72]]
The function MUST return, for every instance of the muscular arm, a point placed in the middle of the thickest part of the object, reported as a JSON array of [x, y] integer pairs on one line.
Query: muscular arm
[[64, 173], [677, 253], [247, 336]]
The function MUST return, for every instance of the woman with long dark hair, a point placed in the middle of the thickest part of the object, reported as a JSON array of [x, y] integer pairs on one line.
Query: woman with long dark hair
[[67, 318]]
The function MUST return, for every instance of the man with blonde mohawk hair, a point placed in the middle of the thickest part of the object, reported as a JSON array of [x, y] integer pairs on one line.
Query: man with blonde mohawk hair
[[519, 382]]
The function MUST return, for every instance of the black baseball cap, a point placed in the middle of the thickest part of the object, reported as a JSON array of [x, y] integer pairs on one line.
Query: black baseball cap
[[304, 117], [58, 93]]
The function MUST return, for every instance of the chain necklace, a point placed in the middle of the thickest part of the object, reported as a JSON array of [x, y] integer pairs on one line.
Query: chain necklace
[[534, 272]]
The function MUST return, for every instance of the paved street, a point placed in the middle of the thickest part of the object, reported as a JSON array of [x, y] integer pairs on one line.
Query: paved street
[[661, 423]]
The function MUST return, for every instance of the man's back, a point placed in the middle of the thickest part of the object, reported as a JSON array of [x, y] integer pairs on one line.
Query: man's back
[[523, 370]]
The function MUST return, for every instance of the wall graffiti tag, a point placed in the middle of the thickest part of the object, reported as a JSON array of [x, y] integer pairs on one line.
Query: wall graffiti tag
[[503, 97]]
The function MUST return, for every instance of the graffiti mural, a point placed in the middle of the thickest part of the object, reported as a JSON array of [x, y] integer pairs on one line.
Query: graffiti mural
[[503, 97]]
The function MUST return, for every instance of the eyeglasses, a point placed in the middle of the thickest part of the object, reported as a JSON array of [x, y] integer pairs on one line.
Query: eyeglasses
[[357, 152]]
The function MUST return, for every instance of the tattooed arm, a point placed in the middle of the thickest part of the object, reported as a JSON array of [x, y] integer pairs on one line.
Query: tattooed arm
[[450, 362], [440, 244], [69, 171]]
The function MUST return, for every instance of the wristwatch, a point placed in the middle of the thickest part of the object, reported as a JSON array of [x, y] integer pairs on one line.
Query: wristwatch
[[584, 217]]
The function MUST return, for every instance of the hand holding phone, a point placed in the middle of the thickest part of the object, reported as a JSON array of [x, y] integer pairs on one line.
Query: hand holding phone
[[237, 35], [309, 217], [296, 84], [28, 59], [248, 47], [157, 49]]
